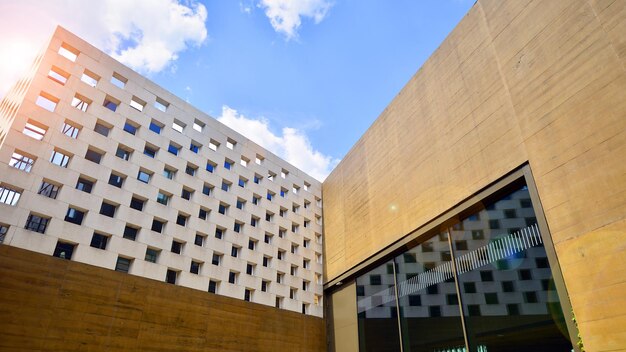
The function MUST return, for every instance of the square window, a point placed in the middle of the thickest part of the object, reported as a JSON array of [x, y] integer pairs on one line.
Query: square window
[[251, 244], [102, 129], [232, 277], [249, 269], [230, 144], [469, 287], [36, 223], [93, 156], [123, 152], [266, 261], [257, 179], [162, 198], [206, 189], [74, 216], [194, 147], [118, 80], [181, 219], [150, 151], [157, 225], [152, 255], [198, 126], [486, 275], [222, 208], [530, 297], [203, 214], [155, 127], [242, 182], [219, 233], [191, 169], [195, 267], [212, 286], [48, 189], [169, 173], [137, 203], [130, 128], [268, 238], [35, 130], [199, 240], [170, 276], [58, 75], [177, 247], [111, 103], [108, 209], [64, 250], [80, 102], [237, 227], [264, 285], [174, 149], [9, 196], [21, 162], [228, 164], [178, 126], [216, 259], [70, 130], [47, 101], [90, 78], [130, 232], [59, 159], [99, 241], [240, 203], [186, 193], [137, 103], [84, 185], [508, 286], [116, 180], [234, 252], [123, 264], [68, 52], [143, 176], [161, 104], [213, 145], [491, 298], [210, 166], [258, 159], [247, 295]]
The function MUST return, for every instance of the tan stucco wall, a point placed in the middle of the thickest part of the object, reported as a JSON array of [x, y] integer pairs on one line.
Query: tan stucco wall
[[542, 82]]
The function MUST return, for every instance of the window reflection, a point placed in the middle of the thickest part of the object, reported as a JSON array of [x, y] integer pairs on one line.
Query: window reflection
[[377, 310], [505, 287], [429, 306]]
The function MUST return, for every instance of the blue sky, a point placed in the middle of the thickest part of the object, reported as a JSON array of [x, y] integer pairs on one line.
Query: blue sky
[[314, 88]]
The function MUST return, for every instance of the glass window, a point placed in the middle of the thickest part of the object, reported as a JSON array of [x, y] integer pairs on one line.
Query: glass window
[[59, 158], [70, 130], [48, 189], [156, 128], [21, 162]]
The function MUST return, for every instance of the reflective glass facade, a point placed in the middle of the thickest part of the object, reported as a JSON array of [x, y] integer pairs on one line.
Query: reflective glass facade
[[490, 265]]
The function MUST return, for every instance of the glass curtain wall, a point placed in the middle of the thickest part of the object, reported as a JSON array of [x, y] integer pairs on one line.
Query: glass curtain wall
[[491, 266]]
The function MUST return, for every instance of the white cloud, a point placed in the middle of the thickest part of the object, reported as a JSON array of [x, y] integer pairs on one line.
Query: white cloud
[[293, 145], [147, 35], [286, 15]]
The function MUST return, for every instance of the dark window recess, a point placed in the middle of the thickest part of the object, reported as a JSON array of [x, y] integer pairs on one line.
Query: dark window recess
[[74, 216], [195, 267], [116, 180], [157, 226], [155, 128], [101, 129], [84, 185], [151, 255], [219, 233], [170, 277], [130, 128], [186, 194], [486, 275], [181, 220], [64, 250], [212, 286], [199, 240], [177, 247], [123, 264], [232, 277], [130, 233], [137, 203], [99, 241], [202, 214], [216, 259], [93, 156], [107, 209]]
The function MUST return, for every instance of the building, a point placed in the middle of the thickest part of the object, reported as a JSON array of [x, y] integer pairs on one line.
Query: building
[[483, 210], [486, 203], [103, 167]]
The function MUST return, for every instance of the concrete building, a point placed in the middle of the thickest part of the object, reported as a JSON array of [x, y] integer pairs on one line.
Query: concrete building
[[103, 167], [482, 211]]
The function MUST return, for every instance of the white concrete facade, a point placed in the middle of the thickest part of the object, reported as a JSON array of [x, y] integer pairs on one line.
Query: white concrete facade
[[292, 224]]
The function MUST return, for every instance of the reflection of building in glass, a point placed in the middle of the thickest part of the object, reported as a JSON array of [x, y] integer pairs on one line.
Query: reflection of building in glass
[[504, 283]]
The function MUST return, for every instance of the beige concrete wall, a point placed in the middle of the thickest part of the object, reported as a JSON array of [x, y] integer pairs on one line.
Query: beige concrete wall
[[542, 82]]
